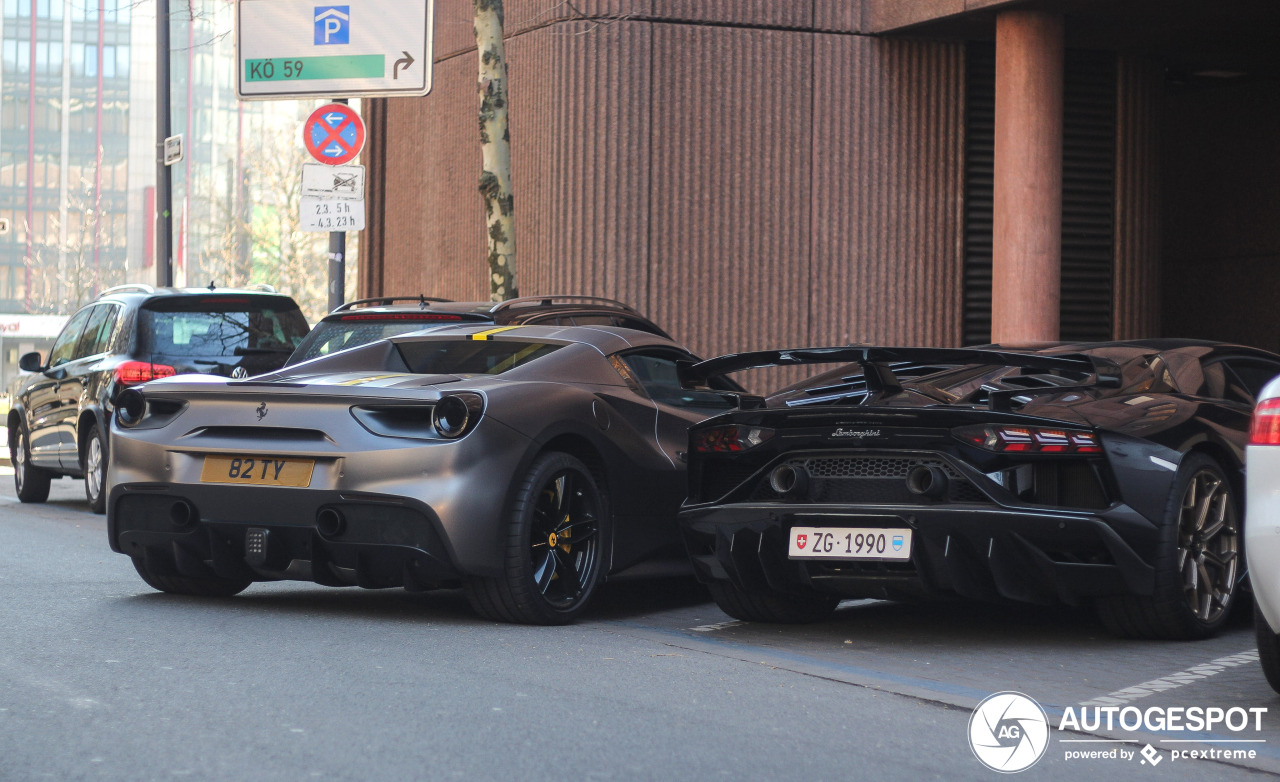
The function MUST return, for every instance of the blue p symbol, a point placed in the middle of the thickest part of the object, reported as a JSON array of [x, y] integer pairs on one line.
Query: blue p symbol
[[333, 24]]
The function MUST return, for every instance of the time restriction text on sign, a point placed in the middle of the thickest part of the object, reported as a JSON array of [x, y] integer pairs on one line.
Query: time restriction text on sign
[[351, 49], [331, 214]]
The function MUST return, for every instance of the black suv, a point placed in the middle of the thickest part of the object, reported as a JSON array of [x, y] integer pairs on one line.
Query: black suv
[[58, 419], [369, 320]]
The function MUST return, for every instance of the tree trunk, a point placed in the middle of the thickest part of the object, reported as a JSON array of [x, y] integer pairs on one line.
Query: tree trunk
[[495, 145]]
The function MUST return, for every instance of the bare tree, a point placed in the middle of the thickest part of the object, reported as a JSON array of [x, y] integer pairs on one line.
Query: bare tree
[[64, 274]]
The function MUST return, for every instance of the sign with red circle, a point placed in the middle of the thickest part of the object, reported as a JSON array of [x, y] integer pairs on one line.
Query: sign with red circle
[[334, 134]]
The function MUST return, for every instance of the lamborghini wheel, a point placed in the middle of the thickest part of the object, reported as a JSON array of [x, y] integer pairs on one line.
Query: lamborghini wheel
[[1198, 564], [554, 553]]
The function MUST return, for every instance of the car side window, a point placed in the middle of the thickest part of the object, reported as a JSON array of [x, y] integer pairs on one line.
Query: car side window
[[1221, 383], [637, 324], [657, 375], [1253, 373], [97, 332], [64, 347], [593, 320]]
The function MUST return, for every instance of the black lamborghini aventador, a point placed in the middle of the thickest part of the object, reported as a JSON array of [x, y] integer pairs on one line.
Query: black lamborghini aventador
[[1109, 473]]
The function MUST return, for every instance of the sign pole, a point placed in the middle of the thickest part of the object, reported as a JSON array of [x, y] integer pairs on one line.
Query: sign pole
[[164, 175], [337, 260]]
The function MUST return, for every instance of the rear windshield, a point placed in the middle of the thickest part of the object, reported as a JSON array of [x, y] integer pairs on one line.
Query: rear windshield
[[221, 326], [471, 357], [330, 336]]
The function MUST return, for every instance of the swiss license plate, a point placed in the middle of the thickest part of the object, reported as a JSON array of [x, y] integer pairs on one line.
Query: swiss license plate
[[850, 543], [257, 470]]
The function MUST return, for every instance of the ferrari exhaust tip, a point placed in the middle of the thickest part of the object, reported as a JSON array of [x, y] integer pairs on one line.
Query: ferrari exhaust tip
[[789, 480], [182, 513], [927, 481], [330, 522]]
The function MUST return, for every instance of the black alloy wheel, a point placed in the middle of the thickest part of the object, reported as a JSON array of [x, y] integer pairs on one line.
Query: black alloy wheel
[[554, 547], [1208, 546], [93, 460], [1198, 564], [30, 482]]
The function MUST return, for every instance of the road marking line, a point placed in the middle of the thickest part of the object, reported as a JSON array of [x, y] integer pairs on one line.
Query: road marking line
[[1174, 680]]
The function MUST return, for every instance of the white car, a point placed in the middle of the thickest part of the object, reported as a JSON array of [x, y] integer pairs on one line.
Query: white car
[[1262, 527]]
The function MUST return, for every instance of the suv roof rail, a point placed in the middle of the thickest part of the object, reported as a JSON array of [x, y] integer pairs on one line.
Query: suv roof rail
[[382, 300], [547, 301], [140, 287], [261, 286]]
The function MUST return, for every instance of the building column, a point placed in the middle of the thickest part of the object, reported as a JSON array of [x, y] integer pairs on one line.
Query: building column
[[1027, 241]]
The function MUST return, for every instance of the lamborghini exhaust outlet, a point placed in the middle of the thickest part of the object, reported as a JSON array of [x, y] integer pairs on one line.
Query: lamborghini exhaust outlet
[[789, 480], [927, 481]]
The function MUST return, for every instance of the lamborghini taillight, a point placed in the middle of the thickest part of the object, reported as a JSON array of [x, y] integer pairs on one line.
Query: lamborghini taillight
[[729, 439], [1029, 439], [1265, 429]]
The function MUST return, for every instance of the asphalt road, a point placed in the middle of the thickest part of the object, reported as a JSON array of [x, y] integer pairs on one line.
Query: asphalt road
[[103, 678]]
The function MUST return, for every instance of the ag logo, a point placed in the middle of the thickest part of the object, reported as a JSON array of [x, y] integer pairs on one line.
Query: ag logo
[[1008, 732], [801, 541]]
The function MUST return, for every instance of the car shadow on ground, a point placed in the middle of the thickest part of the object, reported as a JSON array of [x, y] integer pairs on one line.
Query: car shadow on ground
[[645, 589], [951, 624]]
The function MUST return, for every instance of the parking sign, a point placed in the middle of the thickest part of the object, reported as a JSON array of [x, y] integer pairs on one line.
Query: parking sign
[[359, 49], [333, 25]]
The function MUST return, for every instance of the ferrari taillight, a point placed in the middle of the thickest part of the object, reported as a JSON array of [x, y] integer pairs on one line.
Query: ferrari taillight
[[1029, 439], [131, 373], [1265, 429], [729, 439]]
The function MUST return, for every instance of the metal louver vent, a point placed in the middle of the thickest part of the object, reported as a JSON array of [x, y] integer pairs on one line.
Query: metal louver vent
[[1088, 194]]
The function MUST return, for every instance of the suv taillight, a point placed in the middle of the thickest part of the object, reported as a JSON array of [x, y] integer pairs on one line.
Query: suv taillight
[[131, 373], [1265, 429], [1029, 439]]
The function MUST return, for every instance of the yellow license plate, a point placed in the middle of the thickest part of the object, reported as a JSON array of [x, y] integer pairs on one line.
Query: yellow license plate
[[257, 470]]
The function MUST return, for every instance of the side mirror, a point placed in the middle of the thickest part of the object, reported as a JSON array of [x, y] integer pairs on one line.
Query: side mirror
[[31, 362]]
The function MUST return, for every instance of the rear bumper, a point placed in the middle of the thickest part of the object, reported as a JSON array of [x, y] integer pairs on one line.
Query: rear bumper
[[975, 551], [1262, 529], [197, 531]]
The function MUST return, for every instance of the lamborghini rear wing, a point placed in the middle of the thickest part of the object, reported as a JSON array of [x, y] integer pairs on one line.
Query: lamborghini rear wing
[[878, 362]]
